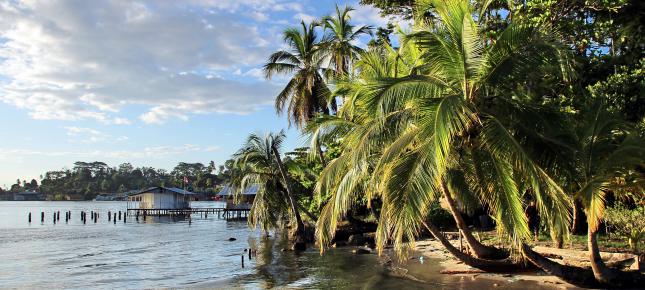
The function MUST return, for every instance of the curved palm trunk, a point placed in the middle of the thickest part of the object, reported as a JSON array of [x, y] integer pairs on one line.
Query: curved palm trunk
[[574, 275], [479, 250], [600, 270], [585, 277], [574, 221], [300, 243], [503, 266]]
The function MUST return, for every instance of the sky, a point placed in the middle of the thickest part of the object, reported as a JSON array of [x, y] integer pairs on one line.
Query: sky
[[152, 83]]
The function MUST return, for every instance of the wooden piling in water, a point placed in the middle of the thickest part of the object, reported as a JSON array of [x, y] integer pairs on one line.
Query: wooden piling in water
[[114, 218], [249, 254], [119, 215], [42, 216], [242, 260], [54, 219], [29, 217]]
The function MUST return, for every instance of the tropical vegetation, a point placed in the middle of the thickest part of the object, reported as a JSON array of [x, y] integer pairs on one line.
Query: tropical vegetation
[[86, 180], [529, 112]]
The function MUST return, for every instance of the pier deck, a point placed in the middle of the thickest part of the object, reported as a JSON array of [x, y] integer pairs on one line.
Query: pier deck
[[227, 213]]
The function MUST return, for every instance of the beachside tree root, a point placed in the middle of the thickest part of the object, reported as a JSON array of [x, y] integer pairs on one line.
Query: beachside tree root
[[583, 277]]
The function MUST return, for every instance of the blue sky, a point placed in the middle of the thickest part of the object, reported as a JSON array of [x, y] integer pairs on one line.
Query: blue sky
[[147, 82]]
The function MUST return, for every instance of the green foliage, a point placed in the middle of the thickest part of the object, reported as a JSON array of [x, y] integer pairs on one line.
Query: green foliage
[[628, 223], [306, 93], [624, 91], [89, 179]]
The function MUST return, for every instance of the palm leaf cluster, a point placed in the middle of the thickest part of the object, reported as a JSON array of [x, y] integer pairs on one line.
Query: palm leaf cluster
[[439, 110]]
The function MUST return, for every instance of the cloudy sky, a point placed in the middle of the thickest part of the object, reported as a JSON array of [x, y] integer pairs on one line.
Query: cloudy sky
[[147, 82]]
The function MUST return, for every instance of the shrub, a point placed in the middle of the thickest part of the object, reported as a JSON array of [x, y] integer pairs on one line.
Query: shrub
[[628, 223]]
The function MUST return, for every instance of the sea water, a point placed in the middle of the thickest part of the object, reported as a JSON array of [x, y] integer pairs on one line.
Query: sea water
[[173, 253]]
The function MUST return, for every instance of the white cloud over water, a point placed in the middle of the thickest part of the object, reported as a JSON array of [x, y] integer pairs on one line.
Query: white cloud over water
[[87, 60]]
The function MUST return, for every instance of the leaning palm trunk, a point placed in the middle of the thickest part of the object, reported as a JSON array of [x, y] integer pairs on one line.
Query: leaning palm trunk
[[600, 270], [479, 250], [300, 243], [495, 266], [598, 276], [574, 275]]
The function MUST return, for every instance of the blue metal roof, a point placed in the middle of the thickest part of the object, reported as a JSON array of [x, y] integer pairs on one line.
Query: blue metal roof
[[251, 190]]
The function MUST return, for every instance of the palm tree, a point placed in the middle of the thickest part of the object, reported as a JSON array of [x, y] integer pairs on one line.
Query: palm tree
[[339, 40], [609, 149], [306, 94], [463, 117], [260, 165]]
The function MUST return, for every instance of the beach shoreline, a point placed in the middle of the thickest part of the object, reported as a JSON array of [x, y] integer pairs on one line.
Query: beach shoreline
[[429, 259]]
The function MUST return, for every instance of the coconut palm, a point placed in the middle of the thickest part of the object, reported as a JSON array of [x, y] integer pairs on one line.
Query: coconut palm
[[260, 165], [462, 108], [306, 94], [340, 38], [609, 149]]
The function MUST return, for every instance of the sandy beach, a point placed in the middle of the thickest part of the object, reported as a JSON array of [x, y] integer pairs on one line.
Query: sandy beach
[[430, 260]]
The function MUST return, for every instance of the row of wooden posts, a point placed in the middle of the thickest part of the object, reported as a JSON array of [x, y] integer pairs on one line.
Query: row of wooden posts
[[94, 216], [114, 216], [251, 253]]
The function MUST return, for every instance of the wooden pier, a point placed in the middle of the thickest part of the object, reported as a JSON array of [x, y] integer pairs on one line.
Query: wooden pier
[[226, 213]]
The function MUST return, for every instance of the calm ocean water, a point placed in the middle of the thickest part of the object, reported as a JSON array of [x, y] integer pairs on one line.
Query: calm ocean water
[[162, 253]]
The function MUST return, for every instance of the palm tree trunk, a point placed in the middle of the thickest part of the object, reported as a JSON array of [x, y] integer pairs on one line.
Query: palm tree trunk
[[575, 275], [484, 265], [300, 227], [600, 270], [574, 221], [321, 156], [479, 250]]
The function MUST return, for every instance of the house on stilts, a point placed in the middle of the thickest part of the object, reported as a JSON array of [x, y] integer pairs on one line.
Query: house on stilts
[[243, 201], [160, 200]]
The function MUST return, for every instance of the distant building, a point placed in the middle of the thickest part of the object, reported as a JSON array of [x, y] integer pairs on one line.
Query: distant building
[[245, 199], [160, 198], [73, 196], [28, 195]]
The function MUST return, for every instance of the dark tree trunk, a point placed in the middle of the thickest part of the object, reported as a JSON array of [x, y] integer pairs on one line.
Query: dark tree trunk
[[584, 277], [495, 266], [299, 243], [479, 250], [600, 270], [574, 275], [321, 156]]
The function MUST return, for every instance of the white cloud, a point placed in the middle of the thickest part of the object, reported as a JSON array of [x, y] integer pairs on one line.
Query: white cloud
[[121, 121], [89, 135], [367, 15], [258, 5], [153, 152], [304, 17], [86, 135], [88, 60], [259, 16]]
